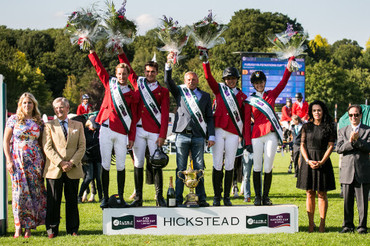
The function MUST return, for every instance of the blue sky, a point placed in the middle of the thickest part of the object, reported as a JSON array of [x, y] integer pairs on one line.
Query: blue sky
[[332, 19]]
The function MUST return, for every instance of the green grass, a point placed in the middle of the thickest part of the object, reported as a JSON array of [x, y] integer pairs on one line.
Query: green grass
[[283, 191]]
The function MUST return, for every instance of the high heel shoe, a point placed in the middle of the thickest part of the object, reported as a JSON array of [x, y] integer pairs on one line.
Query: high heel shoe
[[18, 233], [27, 233]]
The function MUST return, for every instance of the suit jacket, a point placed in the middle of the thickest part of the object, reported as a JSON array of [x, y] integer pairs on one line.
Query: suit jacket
[[161, 95], [107, 109], [221, 115], [58, 149], [355, 161], [182, 116]]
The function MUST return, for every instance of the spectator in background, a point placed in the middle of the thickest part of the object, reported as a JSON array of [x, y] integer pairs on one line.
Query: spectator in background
[[85, 106], [316, 171], [25, 163], [300, 107], [92, 159], [296, 133], [354, 144], [286, 114]]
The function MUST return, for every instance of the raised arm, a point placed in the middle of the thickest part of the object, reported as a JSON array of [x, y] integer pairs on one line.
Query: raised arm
[[172, 87], [100, 70], [280, 87], [211, 81], [132, 76]]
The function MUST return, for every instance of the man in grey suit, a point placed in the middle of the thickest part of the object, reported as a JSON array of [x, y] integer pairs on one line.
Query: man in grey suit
[[192, 125], [354, 144]]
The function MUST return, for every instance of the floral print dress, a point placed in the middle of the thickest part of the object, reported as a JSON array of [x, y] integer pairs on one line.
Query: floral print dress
[[28, 189]]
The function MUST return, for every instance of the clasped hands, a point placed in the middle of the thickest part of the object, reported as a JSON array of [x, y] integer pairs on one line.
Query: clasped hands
[[315, 164], [354, 137], [66, 166]]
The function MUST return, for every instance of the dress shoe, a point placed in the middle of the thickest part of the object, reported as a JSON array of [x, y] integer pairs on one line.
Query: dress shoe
[[74, 234], [361, 231], [227, 202], [203, 203], [104, 203], [266, 201], [257, 201], [346, 230]]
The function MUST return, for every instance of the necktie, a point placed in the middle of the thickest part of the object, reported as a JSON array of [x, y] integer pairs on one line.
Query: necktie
[[64, 129]]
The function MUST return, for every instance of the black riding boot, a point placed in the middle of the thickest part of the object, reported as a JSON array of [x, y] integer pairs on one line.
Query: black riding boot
[[266, 188], [217, 186], [105, 184], [139, 177], [158, 183], [257, 188], [227, 187], [121, 176]]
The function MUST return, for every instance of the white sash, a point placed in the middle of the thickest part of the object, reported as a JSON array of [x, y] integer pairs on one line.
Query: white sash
[[150, 102], [267, 110], [120, 104], [232, 107], [192, 104]]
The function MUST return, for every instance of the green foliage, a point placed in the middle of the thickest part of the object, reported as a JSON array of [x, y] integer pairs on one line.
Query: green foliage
[[346, 53], [335, 73], [20, 77], [326, 82]]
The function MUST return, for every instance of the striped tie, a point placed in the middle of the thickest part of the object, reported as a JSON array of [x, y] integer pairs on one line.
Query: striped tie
[[64, 129]]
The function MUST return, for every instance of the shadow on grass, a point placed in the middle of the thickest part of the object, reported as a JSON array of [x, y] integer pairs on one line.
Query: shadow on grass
[[327, 229]]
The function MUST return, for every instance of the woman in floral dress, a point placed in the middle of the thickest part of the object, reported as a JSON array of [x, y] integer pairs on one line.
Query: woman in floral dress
[[25, 165]]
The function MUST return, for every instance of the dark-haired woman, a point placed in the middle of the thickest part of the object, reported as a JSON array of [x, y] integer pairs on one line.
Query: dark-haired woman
[[316, 171]]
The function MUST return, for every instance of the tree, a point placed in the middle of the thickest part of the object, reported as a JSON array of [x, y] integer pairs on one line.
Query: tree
[[360, 77], [319, 49], [20, 77], [346, 53], [329, 83]]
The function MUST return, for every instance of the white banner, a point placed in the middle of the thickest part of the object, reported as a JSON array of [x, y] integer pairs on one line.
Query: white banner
[[199, 221]]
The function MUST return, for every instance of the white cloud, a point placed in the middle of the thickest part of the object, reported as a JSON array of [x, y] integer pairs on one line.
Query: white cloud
[[146, 22]]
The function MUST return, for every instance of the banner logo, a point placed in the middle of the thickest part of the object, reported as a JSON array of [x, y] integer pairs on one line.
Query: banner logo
[[272, 221], [136, 222]]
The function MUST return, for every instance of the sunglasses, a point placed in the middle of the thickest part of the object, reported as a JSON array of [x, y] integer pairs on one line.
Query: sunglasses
[[354, 115]]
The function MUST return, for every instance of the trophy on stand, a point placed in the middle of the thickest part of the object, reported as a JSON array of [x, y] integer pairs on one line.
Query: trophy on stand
[[191, 181]]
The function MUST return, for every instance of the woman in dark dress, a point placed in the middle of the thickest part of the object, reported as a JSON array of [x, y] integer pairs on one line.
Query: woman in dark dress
[[316, 171]]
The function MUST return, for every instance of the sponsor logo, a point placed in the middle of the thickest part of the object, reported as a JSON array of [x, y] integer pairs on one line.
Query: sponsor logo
[[136, 222], [272, 221]]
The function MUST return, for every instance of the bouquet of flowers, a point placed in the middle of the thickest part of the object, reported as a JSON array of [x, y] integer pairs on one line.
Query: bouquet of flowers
[[288, 44], [83, 28], [173, 36], [207, 34], [119, 29]]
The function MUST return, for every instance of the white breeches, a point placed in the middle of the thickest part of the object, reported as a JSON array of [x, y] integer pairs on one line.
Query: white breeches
[[225, 142], [142, 139], [264, 150], [108, 140]]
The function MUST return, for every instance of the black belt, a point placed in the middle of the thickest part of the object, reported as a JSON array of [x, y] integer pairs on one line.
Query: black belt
[[105, 125], [187, 131], [139, 126]]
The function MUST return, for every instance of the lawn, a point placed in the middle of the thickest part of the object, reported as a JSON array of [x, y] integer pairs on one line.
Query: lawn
[[283, 191]]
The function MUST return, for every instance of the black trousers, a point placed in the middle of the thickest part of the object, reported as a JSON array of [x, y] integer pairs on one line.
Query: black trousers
[[54, 198], [362, 193]]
